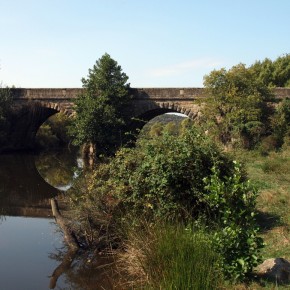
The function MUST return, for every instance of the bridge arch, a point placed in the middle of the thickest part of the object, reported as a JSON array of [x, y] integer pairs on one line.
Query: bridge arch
[[153, 109], [57, 107], [27, 120], [150, 110]]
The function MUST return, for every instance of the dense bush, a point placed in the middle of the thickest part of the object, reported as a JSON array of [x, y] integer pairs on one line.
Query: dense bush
[[280, 122], [232, 202], [163, 176], [182, 178]]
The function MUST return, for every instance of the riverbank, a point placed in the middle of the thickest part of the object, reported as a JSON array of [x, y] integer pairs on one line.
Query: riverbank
[[270, 174], [185, 183]]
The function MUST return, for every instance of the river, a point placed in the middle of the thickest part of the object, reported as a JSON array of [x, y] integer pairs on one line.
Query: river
[[31, 244]]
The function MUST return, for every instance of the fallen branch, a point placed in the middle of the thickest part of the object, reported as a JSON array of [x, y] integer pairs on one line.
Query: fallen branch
[[69, 235], [69, 238]]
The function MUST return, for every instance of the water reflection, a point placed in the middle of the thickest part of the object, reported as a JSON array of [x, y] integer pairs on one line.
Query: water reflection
[[81, 273], [28, 181], [24, 246], [58, 168], [32, 252], [27, 234], [23, 192]]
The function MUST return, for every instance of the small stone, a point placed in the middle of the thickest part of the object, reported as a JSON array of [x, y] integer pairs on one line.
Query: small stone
[[275, 269]]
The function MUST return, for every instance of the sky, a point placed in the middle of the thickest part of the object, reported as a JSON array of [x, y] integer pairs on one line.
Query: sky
[[158, 43]]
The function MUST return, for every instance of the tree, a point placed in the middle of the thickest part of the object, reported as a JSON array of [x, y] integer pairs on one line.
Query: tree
[[273, 73], [236, 105], [100, 111], [282, 71]]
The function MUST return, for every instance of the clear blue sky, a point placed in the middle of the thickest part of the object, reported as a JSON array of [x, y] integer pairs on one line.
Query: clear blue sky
[[158, 43]]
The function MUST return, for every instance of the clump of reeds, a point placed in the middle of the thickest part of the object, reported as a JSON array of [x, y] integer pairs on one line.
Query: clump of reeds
[[170, 256]]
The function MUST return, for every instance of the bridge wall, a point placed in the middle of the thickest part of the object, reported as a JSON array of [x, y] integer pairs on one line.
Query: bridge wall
[[139, 93], [34, 106]]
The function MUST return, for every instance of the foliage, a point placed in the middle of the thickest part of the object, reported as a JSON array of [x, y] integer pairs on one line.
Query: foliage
[[280, 122], [53, 133], [59, 124], [94, 207], [233, 202], [166, 177], [46, 138], [5, 106], [100, 116], [170, 122], [273, 73], [176, 178], [271, 175], [236, 107]]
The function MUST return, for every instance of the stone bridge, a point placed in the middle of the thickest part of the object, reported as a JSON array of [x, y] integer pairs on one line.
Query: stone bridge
[[34, 106], [144, 100]]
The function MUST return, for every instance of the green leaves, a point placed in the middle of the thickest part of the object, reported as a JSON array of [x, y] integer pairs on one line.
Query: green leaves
[[233, 202], [166, 172], [273, 73], [100, 116], [235, 104]]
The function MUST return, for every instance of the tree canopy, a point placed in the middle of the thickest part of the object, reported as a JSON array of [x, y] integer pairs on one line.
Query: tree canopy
[[236, 105], [273, 73], [100, 110]]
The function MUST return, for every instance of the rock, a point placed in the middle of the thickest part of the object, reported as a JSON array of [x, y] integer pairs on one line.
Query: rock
[[275, 269]]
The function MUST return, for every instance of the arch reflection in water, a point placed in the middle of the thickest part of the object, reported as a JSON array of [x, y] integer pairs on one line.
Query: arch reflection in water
[[27, 235], [28, 181], [23, 192], [59, 168]]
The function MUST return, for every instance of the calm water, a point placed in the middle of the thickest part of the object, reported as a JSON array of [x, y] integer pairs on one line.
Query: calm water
[[31, 245]]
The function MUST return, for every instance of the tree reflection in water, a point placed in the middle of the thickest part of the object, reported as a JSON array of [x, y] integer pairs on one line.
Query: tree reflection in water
[[58, 168]]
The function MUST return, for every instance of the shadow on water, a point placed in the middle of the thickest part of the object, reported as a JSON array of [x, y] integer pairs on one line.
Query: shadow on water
[[23, 192]]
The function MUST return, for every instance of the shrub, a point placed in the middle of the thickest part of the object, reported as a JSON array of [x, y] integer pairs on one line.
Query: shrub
[[163, 176], [231, 203], [280, 122], [177, 179], [269, 143]]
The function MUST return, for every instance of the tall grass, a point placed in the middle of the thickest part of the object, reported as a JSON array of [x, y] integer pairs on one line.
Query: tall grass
[[171, 256], [271, 176]]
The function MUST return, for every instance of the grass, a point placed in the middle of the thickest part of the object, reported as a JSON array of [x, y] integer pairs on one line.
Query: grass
[[171, 256], [271, 175]]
